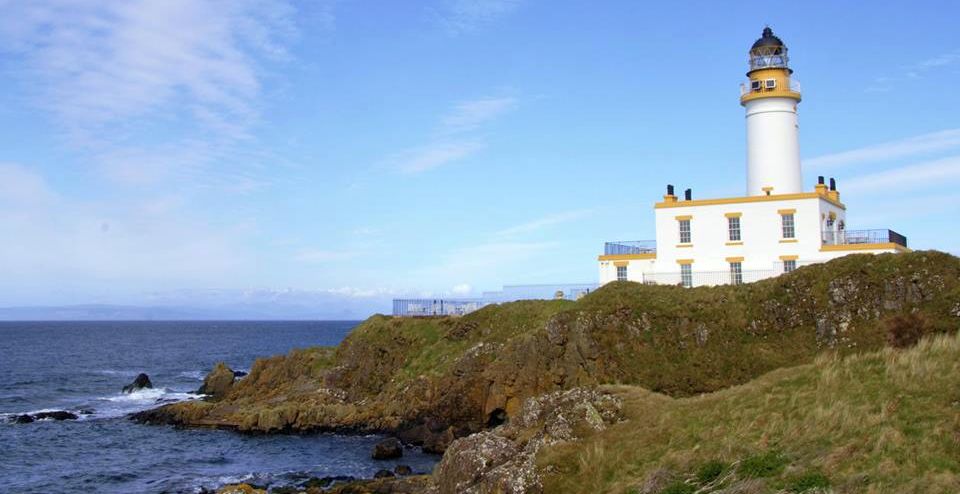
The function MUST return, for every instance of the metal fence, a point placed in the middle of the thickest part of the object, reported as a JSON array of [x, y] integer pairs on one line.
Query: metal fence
[[850, 237], [630, 247], [511, 293]]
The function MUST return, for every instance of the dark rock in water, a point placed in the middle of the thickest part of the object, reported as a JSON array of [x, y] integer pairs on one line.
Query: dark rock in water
[[85, 411], [387, 449], [218, 382], [326, 482], [22, 419], [56, 415], [402, 470], [383, 474], [239, 373], [141, 382]]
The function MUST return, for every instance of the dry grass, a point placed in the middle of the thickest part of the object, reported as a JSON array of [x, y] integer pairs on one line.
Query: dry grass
[[887, 421]]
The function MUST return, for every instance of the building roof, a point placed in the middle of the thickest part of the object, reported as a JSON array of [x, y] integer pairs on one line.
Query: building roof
[[768, 40]]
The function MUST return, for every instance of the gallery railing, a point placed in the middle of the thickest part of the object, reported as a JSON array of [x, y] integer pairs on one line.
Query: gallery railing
[[630, 247], [853, 237]]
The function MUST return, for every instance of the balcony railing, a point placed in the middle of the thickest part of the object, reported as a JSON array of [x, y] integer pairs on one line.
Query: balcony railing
[[746, 89], [630, 247], [709, 278], [853, 237]]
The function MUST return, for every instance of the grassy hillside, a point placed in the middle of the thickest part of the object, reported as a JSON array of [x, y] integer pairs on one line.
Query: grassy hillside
[[886, 421], [433, 379]]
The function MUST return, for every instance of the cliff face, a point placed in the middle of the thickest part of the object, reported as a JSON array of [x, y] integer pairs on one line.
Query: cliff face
[[434, 379]]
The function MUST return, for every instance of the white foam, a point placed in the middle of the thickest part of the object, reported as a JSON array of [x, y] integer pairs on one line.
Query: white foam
[[198, 375]]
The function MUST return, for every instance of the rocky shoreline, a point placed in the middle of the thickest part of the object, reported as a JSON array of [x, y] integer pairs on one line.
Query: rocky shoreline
[[469, 387]]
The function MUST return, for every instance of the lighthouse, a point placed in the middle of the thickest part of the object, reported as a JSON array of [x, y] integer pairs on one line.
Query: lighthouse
[[770, 98], [775, 228]]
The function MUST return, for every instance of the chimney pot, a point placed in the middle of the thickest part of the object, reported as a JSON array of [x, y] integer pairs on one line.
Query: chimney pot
[[669, 189], [820, 180], [833, 184], [688, 194]]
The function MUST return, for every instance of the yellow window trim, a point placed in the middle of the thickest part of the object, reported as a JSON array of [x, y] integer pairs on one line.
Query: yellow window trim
[[766, 189], [747, 199], [684, 261], [739, 242], [627, 257], [789, 258], [733, 215], [786, 211], [684, 245], [621, 264], [833, 215], [735, 259], [788, 241], [878, 246], [684, 217]]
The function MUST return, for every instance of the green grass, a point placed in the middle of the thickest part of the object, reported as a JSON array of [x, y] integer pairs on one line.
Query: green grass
[[885, 421]]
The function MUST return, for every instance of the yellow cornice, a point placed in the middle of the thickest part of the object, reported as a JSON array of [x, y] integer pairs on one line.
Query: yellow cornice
[[684, 261], [735, 259], [788, 241], [789, 258], [738, 242], [786, 211], [741, 200], [733, 215], [684, 245], [621, 264], [684, 217], [876, 246], [627, 257]]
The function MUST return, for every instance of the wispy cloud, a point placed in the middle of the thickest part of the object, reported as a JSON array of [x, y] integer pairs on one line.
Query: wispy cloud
[[469, 115], [916, 70], [465, 16], [926, 174], [141, 76], [434, 155], [545, 222], [456, 137], [911, 147]]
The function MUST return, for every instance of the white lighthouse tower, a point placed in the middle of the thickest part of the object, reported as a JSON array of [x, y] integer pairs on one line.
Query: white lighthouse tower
[[770, 99]]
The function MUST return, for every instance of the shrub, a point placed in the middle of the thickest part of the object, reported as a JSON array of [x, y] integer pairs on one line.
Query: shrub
[[710, 471], [905, 330], [679, 487], [814, 481], [764, 465]]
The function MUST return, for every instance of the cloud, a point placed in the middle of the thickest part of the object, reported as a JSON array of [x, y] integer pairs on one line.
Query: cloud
[[914, 71], [927, 174], [545, 222], [927, 143], [469, 115], [141, 78], [465, 16], [55, 242], [462, 289], [434, 155], [456, 137]]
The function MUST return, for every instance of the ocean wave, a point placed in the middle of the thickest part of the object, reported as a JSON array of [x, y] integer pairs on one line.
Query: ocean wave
[[115, 372]]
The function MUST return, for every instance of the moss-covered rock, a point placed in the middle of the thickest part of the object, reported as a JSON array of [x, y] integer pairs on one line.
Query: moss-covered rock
[[218, 382]]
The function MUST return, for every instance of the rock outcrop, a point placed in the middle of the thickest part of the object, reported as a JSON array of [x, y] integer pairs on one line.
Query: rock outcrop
[[142, 381], [218, 382], [57, 415], [503, 460], [431, 380], [387, 449]]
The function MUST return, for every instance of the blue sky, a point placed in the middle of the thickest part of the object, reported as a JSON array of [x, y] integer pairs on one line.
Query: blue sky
[[151, 151]]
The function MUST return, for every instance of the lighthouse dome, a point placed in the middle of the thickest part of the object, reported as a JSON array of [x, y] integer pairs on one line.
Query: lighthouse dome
[[767, 40]]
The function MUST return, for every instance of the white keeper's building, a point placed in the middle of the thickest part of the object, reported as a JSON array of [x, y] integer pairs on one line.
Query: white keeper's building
[[774, 228]]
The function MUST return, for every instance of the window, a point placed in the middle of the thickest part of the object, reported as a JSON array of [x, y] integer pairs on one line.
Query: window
[[788, 229], [684, 231], [789, 265], [736, 273], [621, 273], [686, 275], [733, 227], [755, 85], [771, 83]]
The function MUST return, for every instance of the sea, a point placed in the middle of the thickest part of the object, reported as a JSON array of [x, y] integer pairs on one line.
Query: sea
[[82, 367]]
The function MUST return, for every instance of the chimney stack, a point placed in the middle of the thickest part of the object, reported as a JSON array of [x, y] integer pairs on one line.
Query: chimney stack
[[688, 194], [820, 180], [669, 189], [833, 184]]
